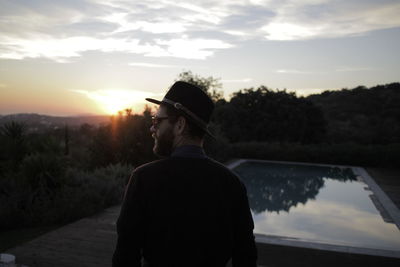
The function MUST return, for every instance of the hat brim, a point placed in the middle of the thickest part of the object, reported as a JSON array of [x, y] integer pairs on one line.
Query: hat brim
[[158, 102]]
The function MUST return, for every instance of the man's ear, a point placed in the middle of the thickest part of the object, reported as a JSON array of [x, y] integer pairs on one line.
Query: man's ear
[[180, 125]]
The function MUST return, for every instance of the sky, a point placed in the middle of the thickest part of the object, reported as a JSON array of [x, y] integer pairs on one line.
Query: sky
[[77, 57]]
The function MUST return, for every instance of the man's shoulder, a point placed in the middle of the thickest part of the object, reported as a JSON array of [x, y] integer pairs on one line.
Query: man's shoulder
[[229, 175], [172, 162], [221, 167]]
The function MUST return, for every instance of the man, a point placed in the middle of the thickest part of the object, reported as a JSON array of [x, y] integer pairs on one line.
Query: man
[[185, 209]]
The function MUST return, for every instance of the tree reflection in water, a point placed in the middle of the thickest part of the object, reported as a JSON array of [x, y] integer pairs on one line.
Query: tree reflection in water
[[278, 187]]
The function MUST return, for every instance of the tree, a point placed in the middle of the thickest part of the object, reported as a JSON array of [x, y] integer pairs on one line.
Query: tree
[[14, 145], [126, 139], [362, 115], [212, 86], [266, 115]]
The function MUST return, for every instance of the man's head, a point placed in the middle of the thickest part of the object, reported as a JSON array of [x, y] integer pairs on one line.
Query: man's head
[[181, 119]]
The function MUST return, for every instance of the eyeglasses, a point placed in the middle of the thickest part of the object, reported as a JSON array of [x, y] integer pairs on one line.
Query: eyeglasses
[[157, 120]]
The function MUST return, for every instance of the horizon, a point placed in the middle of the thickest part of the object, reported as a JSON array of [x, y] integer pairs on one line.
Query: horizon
[[154, 106], [99, 56]]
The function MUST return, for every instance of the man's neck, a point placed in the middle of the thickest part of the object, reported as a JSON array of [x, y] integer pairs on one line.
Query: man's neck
[[188, 142]]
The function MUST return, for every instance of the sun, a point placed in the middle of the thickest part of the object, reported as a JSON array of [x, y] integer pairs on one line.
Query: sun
[[114, 103], [111, 101]]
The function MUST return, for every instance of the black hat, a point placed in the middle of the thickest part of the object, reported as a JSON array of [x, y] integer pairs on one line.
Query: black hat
[[192, 101]]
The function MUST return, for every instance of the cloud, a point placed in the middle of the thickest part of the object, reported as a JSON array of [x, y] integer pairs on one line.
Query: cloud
[[353, 69], [288, 31], [151, 65], [236, 33], [157, 27], [160, 26], [32, 34], [294, 71], [61, 30], [190, 48], [61, 49], [311, 19]]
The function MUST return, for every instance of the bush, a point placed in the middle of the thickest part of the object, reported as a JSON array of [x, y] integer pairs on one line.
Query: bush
[[29, 199], [218, 147], [89, 192]]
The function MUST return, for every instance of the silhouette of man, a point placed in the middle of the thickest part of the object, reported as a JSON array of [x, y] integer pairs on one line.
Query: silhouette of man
[[186, 209]]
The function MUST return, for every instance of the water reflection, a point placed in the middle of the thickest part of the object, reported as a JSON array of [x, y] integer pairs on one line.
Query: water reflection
[[278, 187]]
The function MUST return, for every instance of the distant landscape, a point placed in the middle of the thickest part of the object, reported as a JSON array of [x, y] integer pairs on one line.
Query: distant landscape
[[39, 122]]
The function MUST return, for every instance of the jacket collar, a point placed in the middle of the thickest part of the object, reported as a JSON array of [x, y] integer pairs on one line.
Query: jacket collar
[[189, 151]]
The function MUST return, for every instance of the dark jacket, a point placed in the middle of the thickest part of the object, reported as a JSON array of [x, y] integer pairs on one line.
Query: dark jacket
[[185, 212]]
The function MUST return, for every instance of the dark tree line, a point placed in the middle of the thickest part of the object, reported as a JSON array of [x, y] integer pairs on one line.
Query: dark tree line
[[361, 115], [263, 115], [365, 116]]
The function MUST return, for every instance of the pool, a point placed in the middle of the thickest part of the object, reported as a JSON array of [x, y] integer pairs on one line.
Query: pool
[[337, 208]]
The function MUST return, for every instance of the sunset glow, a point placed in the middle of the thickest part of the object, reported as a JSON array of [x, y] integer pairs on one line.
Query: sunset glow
[[114, 100]]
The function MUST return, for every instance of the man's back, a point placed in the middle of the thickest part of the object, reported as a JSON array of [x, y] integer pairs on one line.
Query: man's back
[[185, 212]]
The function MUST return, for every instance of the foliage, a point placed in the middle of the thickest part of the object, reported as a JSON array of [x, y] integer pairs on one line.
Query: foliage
[[362, 115], [217, 148], [126, 140], [212, 86], [49, 186], [86, 193], [265, 115], [26, 201], [43, 174], [13, 145]]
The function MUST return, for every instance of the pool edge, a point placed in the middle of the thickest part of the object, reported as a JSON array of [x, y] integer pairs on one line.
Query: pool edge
[[293, 242], [386, 202]]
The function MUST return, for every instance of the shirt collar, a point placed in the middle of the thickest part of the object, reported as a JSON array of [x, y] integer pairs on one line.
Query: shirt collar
[[189, 151]]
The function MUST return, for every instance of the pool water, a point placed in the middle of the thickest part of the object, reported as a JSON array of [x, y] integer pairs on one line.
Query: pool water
[[321, 204]]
